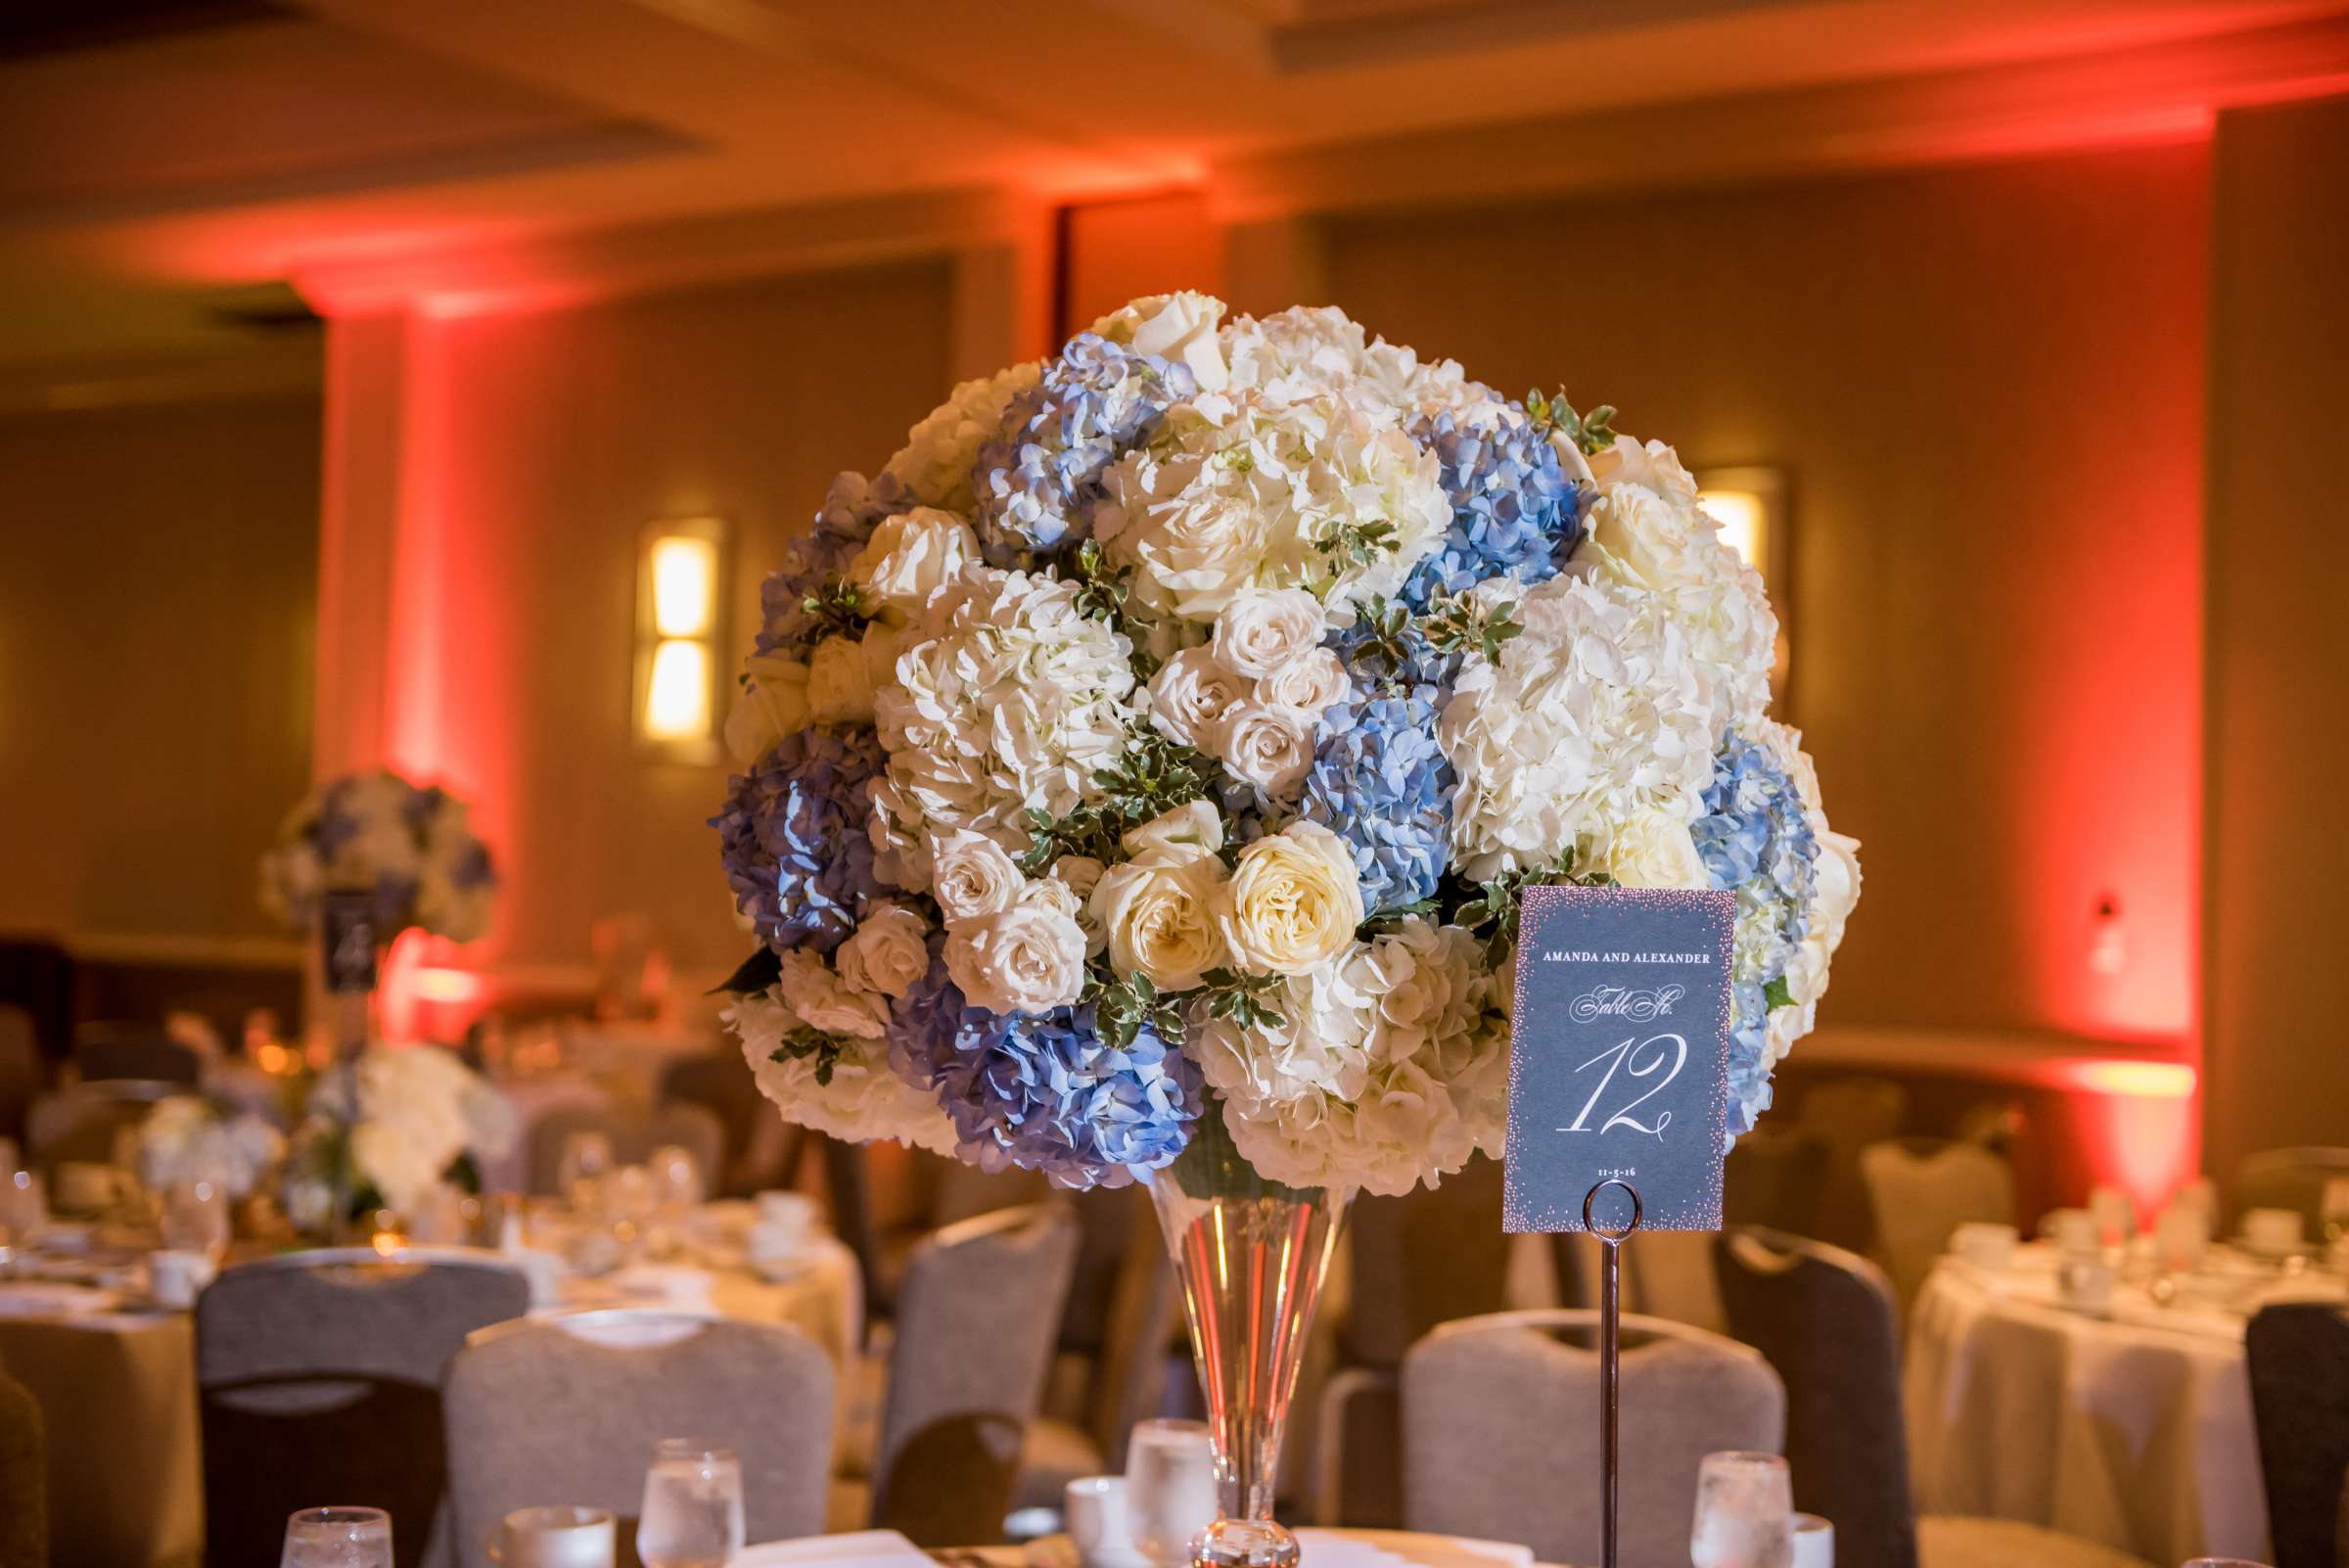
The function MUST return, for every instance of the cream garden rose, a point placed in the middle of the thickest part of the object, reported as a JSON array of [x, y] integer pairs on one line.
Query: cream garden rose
[[1158, 911], [1190, 695], [910, 557], [1269, 746], [773, 704], [1308, 683], [1029, 958], [1293, 901], [1262, 629], [840, 682], [1654, 849], [888, 951], [972, 876]]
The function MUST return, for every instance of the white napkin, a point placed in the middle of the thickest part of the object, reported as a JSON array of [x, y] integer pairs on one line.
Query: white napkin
[[1406, 1549], [32, 1298], [863, 1548]]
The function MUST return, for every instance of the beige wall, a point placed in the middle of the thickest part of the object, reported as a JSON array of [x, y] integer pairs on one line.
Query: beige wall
[[157, 589], [538, 445], [1984, 386], [2276, 978]]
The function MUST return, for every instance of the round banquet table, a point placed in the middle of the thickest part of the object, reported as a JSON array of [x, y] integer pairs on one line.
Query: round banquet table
[[117, 1390], [2132, 1428]]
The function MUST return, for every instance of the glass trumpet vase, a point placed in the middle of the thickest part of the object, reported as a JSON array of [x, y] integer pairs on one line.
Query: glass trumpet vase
[[1251, 1254]]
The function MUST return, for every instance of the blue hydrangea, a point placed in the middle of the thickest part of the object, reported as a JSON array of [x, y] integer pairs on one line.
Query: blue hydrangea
[[1034, 481], [1372, 667], [1043, 1091], [1381, 783], [792, 837], [852, 508], [1755, 836], [1514, 512]]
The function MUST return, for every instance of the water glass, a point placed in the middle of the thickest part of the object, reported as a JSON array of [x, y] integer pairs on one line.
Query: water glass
[[337, 1537], [1744, 1512], [692, 1515], [677, 1185], [586, 1159], [1169, 1488], [195, 1219]]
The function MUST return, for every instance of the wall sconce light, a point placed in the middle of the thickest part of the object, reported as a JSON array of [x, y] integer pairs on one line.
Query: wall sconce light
[[1750, 505], [680, 624]]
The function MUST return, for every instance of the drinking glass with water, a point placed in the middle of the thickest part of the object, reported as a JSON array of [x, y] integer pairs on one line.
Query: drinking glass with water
[[1744, 1512], [692, 1515], [337, 1537]]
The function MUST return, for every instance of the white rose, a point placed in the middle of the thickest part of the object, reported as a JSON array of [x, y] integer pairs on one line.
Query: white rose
[[1159, 916], [1262, 629], [1650, 539], [773, 704], [1292, 903], [1309, 683], [1656, 849], [1193, 829], [1269, 746], [886, 954], [1189, 696], [818, 995], [1080, 874], [1653, 465], [1050, 892], [910, 557], [1029, 958], [840, 684], [972, 876], [1180, 327]]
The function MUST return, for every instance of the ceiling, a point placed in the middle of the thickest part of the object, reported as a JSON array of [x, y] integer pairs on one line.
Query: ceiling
[[162, 160]]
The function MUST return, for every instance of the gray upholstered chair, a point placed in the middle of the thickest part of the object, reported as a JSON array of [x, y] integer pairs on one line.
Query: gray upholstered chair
[[1776, 1176], [2298, 1355], [1922, 1190], [568, 1411], [318, 1379], [1850, 1112], [24, 1480], [1502, 1436], [2288, 1178], [977, 1311], [1824, 1317], [104, 1050], [633, 1134], [82, 1123], [1129, 1371]]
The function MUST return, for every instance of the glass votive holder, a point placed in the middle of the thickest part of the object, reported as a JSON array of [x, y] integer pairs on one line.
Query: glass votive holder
[[559, 1537]]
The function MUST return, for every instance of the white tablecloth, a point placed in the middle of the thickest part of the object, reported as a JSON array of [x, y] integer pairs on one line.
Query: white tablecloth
[[2133, 1429], [118, 1395]]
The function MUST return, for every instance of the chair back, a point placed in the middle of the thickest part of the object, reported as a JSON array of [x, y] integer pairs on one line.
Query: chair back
[[1824, 1319], [2299, 1361], [1129, 1364], [720, 1083], [24, 1480], [82, 1123], [1430, 1256], [568, 1411], [22, 1073], [1850, 1112], [133, 1051], [1501, 1441], [1922, 1190], [977, 1314], [1776, 1176], [2289, 1178], [318, 1378]]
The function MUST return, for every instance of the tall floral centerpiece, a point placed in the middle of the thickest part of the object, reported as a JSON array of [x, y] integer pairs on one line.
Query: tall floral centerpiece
[[402, 1127], [364, 858], [1138, 775]]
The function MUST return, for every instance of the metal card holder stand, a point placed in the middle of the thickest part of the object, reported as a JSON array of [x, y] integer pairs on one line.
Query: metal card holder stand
[[1610, 1356]]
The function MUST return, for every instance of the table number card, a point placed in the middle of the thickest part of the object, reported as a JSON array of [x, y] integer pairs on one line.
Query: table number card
[[1620, 1066], [347, 937]]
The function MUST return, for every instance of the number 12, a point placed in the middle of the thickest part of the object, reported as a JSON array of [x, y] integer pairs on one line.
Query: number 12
[[1616, 1056]]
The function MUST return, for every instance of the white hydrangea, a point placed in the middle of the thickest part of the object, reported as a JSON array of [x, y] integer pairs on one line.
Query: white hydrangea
[[1389, 1067], [1647, 535], [1008, 699], [1596, 712], [1304, 351], [1834, 894], [1249, 496], [935, 463], [188, 1139], [862, 1098], [419, 1107]]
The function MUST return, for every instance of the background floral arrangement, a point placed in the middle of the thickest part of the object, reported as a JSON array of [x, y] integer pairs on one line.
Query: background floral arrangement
[[411, 847], [390, 1128], [189, 1137], [1171, 725]]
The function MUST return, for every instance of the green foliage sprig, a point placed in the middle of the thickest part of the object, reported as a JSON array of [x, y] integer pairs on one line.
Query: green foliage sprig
[[1121, 1007], [1242, 998], [838, 607], [804, 1044], [1591, 433], [1455, 623], [1151, 778], [1496, 910]]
